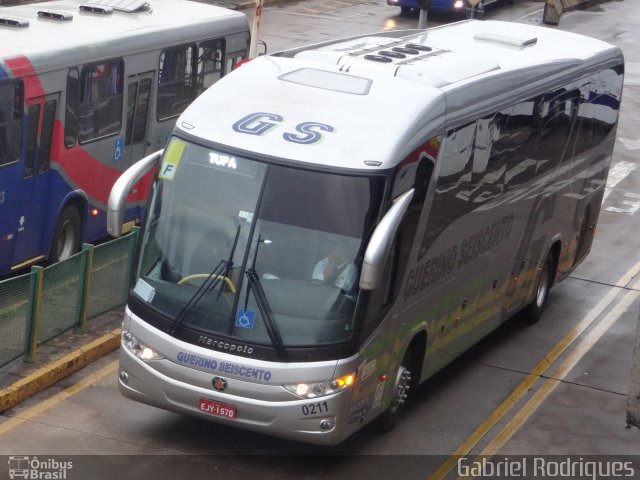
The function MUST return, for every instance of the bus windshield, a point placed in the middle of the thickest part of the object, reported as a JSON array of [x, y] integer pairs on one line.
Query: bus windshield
[[262, 253]]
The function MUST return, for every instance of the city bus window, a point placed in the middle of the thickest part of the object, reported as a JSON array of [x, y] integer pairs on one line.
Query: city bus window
[[11, 105], [210, 63], [71, 109], [33, 115], [100, 101], [46, 136], [176, 80]]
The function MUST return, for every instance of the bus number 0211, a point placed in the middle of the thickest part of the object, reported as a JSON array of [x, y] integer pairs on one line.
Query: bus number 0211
[[315, 408]]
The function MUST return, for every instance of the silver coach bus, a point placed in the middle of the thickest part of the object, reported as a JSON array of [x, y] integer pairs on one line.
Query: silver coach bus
[[358, 213]]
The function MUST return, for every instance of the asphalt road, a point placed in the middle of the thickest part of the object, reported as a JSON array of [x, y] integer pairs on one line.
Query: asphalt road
[[555, 388]]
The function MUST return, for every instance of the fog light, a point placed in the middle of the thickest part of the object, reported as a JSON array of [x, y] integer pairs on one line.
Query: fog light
[[326, 425], [124, 376]]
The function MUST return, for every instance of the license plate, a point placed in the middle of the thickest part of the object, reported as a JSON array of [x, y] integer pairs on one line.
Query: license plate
[[217, 408]]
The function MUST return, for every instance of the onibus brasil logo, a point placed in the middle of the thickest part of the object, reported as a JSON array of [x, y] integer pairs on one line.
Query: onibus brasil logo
[[37, 469]]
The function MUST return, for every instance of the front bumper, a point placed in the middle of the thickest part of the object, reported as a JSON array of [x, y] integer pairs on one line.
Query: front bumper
[[319, 421]]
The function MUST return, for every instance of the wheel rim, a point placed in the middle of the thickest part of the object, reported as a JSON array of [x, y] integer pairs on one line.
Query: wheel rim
[[66, 241], [402, 385], [543, 286]]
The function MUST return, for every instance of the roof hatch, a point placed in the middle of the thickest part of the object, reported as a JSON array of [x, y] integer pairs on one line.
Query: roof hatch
[[108, 6], [14, 22]]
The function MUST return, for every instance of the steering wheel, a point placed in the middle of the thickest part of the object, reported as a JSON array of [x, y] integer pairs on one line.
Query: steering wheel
[[195, 276]]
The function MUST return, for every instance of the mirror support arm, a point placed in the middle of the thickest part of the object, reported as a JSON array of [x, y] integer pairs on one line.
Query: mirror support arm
[[118, 197], [380, 243]]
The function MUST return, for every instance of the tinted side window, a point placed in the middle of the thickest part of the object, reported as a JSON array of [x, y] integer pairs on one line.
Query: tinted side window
[[211, 63], [11, 111], [176, 80], [71, 108], [100, 100]]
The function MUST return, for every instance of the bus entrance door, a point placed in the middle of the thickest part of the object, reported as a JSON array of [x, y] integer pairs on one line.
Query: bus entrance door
[[136, 141], [34, 193]]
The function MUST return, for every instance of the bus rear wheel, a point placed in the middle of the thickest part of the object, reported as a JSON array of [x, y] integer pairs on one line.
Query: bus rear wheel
[[534, 310], [66, 235], [401, 386]]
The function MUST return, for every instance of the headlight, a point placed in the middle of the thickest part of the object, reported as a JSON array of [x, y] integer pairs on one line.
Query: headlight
[[138, 348], [320, 389]]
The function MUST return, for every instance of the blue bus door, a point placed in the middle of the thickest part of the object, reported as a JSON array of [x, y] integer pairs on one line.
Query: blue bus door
[[34, 202]]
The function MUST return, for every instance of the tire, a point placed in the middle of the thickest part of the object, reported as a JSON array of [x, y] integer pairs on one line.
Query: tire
[[402, 384], [533, 311], [66, 235]]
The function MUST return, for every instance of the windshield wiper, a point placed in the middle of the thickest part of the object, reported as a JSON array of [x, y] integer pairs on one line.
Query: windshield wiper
[[209, 284], [255, 286]]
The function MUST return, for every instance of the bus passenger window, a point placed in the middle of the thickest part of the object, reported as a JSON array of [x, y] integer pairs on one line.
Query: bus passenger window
[[100, 101], [33, 116], [210, 63], [46, 135], [176, 80], [71, 109], [11, 107]]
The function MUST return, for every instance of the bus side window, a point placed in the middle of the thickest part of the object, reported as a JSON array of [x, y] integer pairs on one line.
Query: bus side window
[[211, 63], [454, 191], [176, 80], [100, 100], [11, 111], [71, 108]]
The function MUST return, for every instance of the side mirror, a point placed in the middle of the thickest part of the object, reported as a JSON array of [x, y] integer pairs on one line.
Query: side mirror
[[118, 197], [380, 243]]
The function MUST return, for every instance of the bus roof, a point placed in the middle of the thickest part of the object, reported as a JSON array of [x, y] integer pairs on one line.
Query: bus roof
[[382, 94], [73, 32]]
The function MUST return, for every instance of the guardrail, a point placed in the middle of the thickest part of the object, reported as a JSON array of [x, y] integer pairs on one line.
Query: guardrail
[[46, 302]]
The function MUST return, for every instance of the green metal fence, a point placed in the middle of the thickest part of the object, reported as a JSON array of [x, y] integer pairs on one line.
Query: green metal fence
[[42, 304]]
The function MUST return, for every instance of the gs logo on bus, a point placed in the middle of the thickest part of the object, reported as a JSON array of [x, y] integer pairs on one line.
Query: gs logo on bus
[[259, 123]]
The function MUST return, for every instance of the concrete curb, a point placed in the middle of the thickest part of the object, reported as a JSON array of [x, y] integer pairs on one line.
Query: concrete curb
[[57, 370]]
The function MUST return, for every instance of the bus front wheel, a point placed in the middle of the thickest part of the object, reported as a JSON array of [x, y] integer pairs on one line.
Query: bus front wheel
[[401, 386], [66, 235]]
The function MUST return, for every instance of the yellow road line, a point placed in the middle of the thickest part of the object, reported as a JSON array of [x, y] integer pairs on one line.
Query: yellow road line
[[45, 405], [521, 390]]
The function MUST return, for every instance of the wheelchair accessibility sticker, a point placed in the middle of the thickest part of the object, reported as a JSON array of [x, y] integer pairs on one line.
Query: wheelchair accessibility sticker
[[245, 319]]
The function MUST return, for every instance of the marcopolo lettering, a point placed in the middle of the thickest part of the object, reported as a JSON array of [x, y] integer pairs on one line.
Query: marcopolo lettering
[[222, 345]]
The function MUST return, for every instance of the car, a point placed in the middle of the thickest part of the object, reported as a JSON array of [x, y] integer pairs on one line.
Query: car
[[465, 7]]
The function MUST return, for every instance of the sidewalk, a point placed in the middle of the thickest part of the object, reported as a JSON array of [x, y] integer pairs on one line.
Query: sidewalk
[[59, 358]]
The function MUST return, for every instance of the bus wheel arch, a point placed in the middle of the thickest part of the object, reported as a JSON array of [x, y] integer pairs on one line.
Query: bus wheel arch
[[407, 376], [65, 240], [545, 279]]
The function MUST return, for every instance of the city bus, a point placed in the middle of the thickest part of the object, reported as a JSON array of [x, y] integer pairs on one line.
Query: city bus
[[86, 90], [365, 211]]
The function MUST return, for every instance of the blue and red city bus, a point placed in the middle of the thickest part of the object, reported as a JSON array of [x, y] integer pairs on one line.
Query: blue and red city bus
[[85, 91]]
